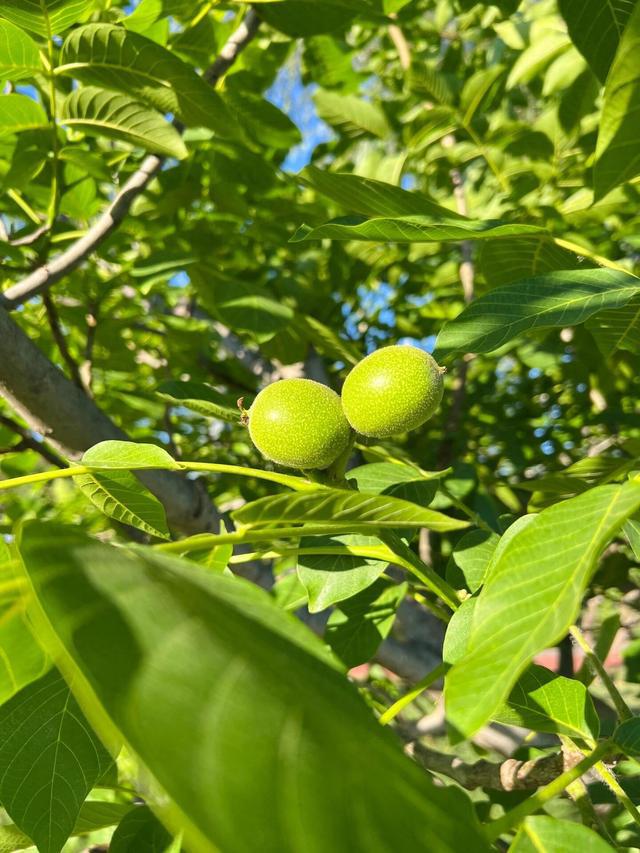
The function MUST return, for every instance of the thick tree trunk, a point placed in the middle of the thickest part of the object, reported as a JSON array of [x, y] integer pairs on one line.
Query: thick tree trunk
[[62, 413]]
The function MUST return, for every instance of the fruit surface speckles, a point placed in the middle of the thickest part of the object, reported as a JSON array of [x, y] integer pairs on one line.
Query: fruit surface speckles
[[395, 389], [299, 423]]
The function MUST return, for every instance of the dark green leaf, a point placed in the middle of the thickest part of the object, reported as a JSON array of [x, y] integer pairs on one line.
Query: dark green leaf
[[369, 197], [330, 578], [544, 834], [49, 761], [356, 629], [557, 299], [596, 29], [618, 149], [470, 559], [140, 832]]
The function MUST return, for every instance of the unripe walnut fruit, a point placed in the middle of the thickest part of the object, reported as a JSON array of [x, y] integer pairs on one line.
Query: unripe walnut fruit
[[299, 423], [395, 389]]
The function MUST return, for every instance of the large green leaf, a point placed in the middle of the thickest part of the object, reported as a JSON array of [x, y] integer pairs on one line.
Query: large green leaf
[[120, 495], [395, 479], [617, 329], [330, 578], [19, 113], [46, 17], [357, 627], [412, 229], [224, 696], [557, 299], [352, 115], [369, 197], [470, 559], [112, 57], [627, 737], [335, 507], [531, 595], [546, 702], [245, 306], [200, 398], [22, 660], [544, 834], [618, 148], [49, 761], [19, 54], [98, 112], [596, 29]]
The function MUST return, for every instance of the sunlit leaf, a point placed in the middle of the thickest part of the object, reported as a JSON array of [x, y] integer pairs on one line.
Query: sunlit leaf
[[531, 595], [19, 54], [596, 29], [19, 113], [125, 455], [98, 112], [544, 834]]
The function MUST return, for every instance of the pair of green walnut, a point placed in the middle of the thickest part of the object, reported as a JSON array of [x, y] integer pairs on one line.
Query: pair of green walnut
[[299, 423]]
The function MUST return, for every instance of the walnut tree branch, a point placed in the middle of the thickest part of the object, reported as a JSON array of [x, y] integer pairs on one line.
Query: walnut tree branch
[[52, 271], [509, 775]]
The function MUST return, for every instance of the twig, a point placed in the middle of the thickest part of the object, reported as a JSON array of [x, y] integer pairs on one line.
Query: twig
[[509, 775], [624, 713], [86, 368], [29, 442], [400, 43], [61, 343], [28, 239], [52, 271]]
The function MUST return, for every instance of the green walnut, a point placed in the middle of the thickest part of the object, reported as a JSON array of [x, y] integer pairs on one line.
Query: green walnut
[[395, 389], [299, 423]]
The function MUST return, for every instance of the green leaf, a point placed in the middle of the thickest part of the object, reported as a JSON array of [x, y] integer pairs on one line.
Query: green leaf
[[531, 595], [543, 834], [411, 229], [369, 197], [221, 695], [299, 19], [121, 496], [19, 54], [94, 815], [330, 578], [545, 47], [101, 113], [19, 113], [200, 398], [46, 17], [546, 702], [112, 57], [335, 507], [596, 29], [395, 479], [140, 832], [470, 559], [22, 660], [49, 761], [125, 455], [627, 737], [244, 306], [556, 299], [506, 261], [618, 329], [618, 148], [480, 91], [356, 628], [326, 340], [351, 115]]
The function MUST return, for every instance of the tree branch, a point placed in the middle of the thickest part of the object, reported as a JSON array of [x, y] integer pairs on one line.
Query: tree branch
[[30, 443], [61, 343], [52, 271], [509, 775]]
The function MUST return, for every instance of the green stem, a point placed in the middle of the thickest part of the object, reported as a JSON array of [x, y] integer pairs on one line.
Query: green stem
[[621, 795], [409, 697], [251, 534], [502, 180], [532, 804], [477, 519], [24, 206], [405, 557], [52, 210], [292, 482], [371, 552], [624, 713]]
